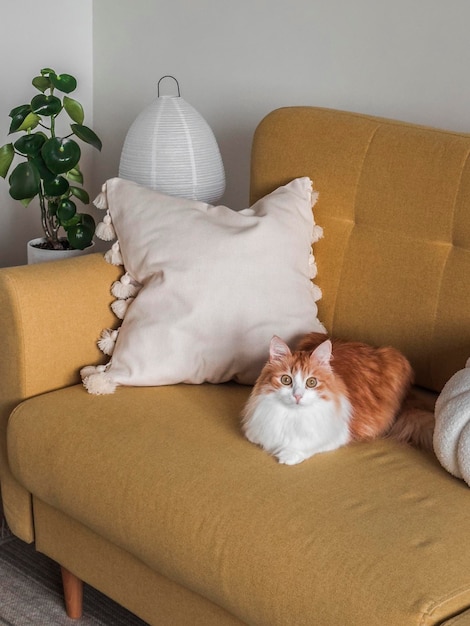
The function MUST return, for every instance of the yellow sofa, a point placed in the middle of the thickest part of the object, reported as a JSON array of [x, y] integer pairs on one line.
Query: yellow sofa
[[153, 496]]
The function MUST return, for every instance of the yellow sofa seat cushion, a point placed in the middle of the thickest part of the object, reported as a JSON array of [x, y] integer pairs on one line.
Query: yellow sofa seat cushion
[[166, 474]]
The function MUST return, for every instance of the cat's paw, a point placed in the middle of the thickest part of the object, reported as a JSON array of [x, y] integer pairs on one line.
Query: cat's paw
[[291, 458]]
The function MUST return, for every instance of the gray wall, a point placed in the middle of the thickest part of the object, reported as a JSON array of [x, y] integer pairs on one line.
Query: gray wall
[[235, 61], [33, 35]]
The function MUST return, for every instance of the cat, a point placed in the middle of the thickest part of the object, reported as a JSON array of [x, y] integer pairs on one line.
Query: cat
[[329, 392]]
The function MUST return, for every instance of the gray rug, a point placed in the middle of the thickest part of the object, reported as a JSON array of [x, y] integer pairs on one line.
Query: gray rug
[[31, 591]]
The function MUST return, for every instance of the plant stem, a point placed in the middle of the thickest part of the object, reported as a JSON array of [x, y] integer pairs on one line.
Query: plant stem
[[49, 226]]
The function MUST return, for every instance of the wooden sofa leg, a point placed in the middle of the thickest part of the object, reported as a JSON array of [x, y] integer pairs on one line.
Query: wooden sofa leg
[[73, 594]]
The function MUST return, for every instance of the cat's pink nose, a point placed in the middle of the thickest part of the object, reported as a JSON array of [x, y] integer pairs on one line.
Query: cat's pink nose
[[298, 397]]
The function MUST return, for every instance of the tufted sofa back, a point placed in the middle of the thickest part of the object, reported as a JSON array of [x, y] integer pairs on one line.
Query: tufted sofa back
[[394, 263]]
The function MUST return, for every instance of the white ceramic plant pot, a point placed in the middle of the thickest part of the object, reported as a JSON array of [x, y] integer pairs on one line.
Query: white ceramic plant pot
[[41, 255]]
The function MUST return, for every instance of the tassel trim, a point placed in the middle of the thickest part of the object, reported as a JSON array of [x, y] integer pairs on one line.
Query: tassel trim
[[101, 200], [120, 307], [312, 267], [105, 229], [88, 370], [126, 287], [107, 340], [316, 291], [99, 384], [97, 380], [113, 256], [317, 233], [315, 195]]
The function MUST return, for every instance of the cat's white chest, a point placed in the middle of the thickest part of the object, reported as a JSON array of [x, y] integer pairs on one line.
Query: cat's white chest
[[295, 433]]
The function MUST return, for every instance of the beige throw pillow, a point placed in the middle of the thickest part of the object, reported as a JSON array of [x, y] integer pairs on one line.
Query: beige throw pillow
[[205, 287]]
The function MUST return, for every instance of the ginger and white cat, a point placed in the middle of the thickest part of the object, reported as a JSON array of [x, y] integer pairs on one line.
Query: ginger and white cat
[[328, 393]]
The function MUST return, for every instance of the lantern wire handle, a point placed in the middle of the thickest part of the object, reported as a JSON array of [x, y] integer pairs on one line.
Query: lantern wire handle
[[168, 76]]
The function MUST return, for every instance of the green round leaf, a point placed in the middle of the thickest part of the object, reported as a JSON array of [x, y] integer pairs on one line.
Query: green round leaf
[[16, 122], [71, 222], [63, 82], [80, 193], [56, 187], [74, 110], [7, 154], [44, 172], [46, 105], [30, 122], [61, 154], [24, 181], [23, 108], [86, 134], [30, 144], [41, 82], [66, 210], [24, 120], [75, 175], [80, 236], [88, 221]]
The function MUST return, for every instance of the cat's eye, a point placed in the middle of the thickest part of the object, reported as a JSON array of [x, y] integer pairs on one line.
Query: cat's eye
[[286, 380], [311, 382]]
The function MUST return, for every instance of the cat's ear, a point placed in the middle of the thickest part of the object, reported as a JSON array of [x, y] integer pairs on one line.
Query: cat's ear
[[278, 349], [322, 353]]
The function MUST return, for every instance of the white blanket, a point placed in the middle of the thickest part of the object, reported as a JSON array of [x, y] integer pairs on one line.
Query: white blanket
[[452, 430]]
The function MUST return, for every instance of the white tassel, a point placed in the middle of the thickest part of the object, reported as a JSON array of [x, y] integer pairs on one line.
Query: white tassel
[[105, 229], [312, 266], [317, 293], [107, 341], [317, 233], [113, 255], [126, 287], [101, 200], [88, 370], [315, 195], [120, 307], [99, 384]]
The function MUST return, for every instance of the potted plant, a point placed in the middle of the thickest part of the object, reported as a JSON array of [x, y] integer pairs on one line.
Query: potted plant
[[49, 167]]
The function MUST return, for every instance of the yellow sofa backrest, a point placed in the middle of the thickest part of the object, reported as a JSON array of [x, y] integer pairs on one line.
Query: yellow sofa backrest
[[394, 263]]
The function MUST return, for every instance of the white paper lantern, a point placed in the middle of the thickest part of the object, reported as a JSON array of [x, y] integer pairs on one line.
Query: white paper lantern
[[171, 148]]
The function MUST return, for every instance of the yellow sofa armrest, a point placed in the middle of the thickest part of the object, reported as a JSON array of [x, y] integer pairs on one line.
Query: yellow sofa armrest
[[51, 315]]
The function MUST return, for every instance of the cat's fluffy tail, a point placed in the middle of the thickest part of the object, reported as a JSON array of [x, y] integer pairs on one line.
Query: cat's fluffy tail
[[413, 426]]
